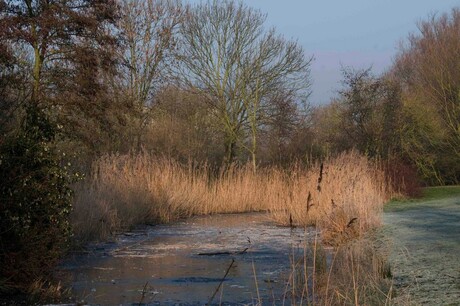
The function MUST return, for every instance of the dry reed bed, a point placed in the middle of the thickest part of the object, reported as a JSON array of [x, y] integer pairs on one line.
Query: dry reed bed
[[356, 273], [343, 195]]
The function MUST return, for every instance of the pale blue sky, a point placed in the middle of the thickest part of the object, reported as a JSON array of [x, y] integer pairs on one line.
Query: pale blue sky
[[356, 33]]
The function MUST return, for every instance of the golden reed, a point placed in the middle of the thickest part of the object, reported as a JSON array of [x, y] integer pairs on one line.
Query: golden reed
[[343, 195]]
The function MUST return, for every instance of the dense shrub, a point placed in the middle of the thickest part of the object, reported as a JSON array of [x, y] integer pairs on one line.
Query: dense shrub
[[403, 178], [35, 201]]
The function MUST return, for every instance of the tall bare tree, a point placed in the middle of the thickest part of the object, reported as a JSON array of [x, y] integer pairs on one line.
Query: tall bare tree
[[69, 43], [227, 54], [361, 108], [71, 32], [149, 28]]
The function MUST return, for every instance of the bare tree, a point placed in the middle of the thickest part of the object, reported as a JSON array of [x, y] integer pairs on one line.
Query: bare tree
[[68, 44], [287, 121], [69, 32], [227, 54], [65, 40], [361, 105], [277, 67], [149, 31]]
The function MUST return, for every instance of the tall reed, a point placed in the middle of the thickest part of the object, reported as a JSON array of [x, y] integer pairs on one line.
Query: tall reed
[[126, 190], [355, 273], [343, 196]]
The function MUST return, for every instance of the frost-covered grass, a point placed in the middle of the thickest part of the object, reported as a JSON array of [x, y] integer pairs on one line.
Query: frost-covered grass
[[426, 246]]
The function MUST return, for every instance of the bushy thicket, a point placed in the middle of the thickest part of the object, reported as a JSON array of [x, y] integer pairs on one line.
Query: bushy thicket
[[35, 201]]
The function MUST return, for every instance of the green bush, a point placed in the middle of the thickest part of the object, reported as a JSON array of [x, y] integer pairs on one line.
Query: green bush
[[35, 202]]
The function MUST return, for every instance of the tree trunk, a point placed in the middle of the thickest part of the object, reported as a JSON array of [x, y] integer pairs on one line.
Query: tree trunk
[[36, 75], [230, 146], [254, 148]]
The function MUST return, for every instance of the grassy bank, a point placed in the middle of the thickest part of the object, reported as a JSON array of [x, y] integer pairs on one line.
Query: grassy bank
[[430, 198], [433, 193]]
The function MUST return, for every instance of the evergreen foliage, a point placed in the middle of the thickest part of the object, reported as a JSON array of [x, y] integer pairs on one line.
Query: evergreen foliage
[[35, 202]]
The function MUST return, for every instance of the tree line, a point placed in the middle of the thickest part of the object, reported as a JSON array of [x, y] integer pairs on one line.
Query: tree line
[[410, 114], [108, 73], [212, 82]]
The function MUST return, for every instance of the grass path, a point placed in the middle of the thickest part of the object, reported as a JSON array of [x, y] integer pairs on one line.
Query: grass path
[[426, 253]]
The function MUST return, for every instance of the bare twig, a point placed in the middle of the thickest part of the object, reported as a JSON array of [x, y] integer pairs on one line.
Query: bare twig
[[223, 253], [221, 282], [144, 290]]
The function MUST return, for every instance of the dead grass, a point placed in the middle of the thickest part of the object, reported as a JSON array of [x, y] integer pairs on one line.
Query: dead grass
[[343, 195], [356, 273], [43, 291]]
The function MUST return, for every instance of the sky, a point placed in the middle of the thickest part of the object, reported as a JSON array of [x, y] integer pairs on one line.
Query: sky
[[344, 33]]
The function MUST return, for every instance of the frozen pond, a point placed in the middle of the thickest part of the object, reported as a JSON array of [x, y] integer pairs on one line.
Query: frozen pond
[[184, 263]]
